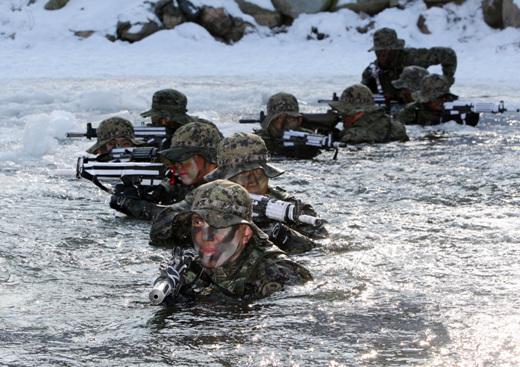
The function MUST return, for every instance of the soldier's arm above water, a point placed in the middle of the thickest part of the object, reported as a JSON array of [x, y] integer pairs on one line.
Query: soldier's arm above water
[[425, 57]]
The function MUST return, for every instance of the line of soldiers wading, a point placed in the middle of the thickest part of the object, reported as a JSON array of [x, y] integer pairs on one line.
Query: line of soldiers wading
[[203, 209]]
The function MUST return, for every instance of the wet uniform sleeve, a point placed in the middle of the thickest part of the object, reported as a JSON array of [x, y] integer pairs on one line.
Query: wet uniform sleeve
[[426, 57], [408, 115], [165, 231], [287, 238], [273, 274]]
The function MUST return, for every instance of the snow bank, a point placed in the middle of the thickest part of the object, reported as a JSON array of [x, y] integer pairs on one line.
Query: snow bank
[[41, 44]]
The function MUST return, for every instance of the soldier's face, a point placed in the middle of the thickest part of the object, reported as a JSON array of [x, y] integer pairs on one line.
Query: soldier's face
[[255, 181], [192, 170], [385, 57], [217, 246], [436, 105], [114, 143], [284, 122], [406, 94]]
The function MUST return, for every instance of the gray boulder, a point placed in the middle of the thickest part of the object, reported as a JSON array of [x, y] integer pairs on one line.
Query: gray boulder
[[492, 11], [293, 8], [510, 14], [262, 16], [83, 34], [221, 25], [123, 31], [370, 7], [430, 3], [171, 16], [55, 4]]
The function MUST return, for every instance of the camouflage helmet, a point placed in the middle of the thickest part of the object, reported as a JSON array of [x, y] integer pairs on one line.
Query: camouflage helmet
[[356, 98], [222, 204], [113, 128], [193, 138], [168, 103], [433, 86], [410, 78], [239, 153], [386, 39], [278, 104]]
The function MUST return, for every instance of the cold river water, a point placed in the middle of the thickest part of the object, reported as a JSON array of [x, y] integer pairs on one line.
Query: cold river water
[[421, 268]]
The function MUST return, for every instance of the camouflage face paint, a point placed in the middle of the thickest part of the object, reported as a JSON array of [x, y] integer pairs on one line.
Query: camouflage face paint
[[254, 181], [215, 245], [189, 171]]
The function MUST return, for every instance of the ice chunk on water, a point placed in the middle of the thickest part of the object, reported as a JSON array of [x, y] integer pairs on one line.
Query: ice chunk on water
[[42, 130]]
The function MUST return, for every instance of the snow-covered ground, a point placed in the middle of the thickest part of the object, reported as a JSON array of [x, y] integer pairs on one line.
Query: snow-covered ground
[[40, 44]]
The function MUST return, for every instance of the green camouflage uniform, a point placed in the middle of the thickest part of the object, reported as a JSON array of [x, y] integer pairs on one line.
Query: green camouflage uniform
[[260, 270], [171, 104], [410, 78], [278, 104], [113, 128], [386, 39], [239, 153], [190, 139], [375, 126], [432, 88]]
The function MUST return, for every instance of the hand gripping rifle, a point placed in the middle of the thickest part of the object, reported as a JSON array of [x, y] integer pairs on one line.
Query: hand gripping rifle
[[265, 208], [172, 275], [142, 175], [293, 138]]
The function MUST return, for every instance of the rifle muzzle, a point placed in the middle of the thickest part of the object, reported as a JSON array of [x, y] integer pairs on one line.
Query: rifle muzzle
[[162, 289]]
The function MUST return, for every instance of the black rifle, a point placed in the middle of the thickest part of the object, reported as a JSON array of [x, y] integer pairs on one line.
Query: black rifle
[[149, 134], [172, 275], [379, 100], [265, 208], [322, 123], [130, 154], [468, 113], [296, 139], [143, 175]]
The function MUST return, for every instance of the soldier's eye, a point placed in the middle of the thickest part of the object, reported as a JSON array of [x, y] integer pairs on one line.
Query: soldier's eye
[[197, 221]]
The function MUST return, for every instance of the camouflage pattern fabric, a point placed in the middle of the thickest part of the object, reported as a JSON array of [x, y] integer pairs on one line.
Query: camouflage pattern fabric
[[239, 153], [280, 103], [167, 103], [355, 98], [410, 78], [386, 39], [167, 230], [113, 128], [193, 138], [417, 113], [433, 87], [374, 127], [259, 271], [423, 57]]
